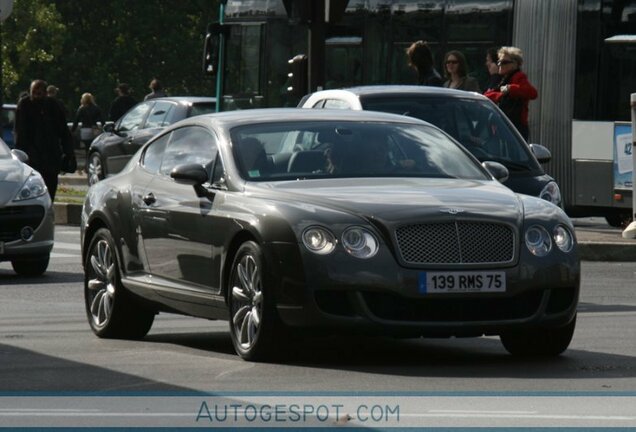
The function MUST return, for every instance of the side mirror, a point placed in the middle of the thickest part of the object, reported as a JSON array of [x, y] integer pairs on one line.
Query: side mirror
[[542, 154], [189, 174], [194, 175], [20, 155], [109, 127], [497, 170]]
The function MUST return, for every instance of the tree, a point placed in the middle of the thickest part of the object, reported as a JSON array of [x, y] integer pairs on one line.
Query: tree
[[102, 43]]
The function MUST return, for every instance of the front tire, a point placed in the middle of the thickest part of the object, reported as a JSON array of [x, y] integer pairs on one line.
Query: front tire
[[32, 266], [255, 327], [112, 311], [541, 342], [94, 168]]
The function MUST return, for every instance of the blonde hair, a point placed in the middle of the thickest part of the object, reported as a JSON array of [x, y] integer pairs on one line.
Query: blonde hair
[[87, 99], [514, 53]]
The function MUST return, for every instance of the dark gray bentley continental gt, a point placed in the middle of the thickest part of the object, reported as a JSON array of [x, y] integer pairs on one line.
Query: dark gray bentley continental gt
[[283, 219]]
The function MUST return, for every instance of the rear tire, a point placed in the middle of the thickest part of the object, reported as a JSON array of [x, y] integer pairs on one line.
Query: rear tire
[[94, 168], [619, 220], [32, 266], [539, 342], [112, 311]]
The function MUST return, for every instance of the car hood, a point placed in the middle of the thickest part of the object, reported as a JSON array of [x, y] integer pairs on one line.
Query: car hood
[[13, 174], [399, 200]]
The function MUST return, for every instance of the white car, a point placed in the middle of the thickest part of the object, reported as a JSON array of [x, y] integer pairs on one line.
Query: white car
[[26, 215]]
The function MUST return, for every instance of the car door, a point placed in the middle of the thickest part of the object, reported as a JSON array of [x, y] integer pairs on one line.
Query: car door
[[177, 225], [124, 142]]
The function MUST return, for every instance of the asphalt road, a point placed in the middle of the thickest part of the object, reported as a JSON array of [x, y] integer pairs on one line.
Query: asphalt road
[[48, 350]]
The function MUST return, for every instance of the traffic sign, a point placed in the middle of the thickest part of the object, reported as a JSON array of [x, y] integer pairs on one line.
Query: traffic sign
[[6, 6]]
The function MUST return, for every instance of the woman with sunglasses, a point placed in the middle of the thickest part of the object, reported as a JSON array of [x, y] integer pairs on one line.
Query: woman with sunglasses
[[515, 91], [456, 72]]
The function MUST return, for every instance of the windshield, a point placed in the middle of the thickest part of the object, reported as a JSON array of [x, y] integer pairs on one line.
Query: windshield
[[476, 124], [300, 150]]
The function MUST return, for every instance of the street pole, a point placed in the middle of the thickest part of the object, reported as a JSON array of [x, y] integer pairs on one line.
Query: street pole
[[219, 75], [630, 231]]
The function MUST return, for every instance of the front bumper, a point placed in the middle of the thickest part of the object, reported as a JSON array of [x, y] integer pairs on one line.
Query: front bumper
[[38, 216], [379, 295]]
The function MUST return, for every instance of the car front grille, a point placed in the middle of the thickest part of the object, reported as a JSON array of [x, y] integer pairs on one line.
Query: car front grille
[[459, 242], [13, 219]]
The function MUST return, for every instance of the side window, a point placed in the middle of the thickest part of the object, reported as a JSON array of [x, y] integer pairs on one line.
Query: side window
[[336, 104], [218, 171], [319, 104], [158, 115], [154, 153], [133, 120], [189, 145]]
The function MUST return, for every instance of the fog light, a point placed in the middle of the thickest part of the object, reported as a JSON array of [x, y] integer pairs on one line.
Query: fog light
[[26, 233]]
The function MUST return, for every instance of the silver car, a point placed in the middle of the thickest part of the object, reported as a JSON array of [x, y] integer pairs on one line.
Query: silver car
[[26, 215]]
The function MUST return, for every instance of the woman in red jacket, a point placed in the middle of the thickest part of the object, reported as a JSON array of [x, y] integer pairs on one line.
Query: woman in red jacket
[[515, 91]]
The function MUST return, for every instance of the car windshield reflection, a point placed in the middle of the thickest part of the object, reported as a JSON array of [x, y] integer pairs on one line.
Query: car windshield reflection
[[305, 150]]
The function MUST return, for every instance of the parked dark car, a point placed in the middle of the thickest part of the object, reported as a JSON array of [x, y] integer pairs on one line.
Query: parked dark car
[[112, 149], [7, 121], [371, 221], [470, 118], [26, 214]]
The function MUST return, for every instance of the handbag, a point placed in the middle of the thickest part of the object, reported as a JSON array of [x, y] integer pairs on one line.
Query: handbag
[[69, 164]]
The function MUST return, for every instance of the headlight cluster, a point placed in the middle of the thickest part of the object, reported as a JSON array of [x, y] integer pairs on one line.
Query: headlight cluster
[[551, 193], [357, 241], [539, 241], [32, 188]]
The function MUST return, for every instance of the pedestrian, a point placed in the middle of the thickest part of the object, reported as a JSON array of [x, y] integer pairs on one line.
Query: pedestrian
[[456, 72], [157, 90], [493, 70], [52, 91], [515, 91], [41, 132], [122, 103], [89, 115], [420, 58]]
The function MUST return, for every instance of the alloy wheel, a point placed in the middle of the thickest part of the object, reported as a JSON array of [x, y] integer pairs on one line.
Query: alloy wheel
[[247, 302], [95, 170], [101, 283]]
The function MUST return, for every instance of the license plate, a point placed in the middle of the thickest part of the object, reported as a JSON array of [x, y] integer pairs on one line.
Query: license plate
[[461, 282]]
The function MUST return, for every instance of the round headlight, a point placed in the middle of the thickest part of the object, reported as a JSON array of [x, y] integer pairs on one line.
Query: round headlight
[[538, 241], [360, 242], [319, 240], [552, 193], [563, 238]]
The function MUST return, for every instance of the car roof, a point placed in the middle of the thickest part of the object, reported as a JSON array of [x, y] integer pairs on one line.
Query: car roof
[[276, 115], [407, 90], [186, 99]]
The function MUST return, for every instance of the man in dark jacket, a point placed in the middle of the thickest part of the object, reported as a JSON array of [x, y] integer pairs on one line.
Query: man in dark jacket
[[41, 132], [122, 103]]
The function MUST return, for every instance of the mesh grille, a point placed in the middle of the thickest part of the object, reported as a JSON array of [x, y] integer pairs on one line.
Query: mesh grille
[[456, 243]]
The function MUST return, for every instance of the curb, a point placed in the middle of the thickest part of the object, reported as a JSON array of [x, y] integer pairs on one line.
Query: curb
[[606, 251], [67, 214]]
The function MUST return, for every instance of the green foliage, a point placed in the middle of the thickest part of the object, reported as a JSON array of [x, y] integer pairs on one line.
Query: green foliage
[[91, 45]]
